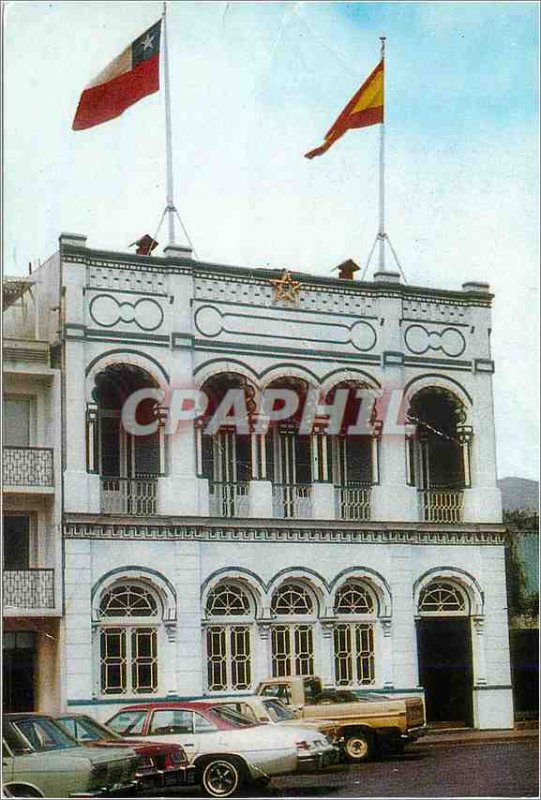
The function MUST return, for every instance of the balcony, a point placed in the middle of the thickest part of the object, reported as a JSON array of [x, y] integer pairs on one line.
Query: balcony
[[292, 500], [28, 469], [133, 496], [229, 499], [353, 501], [441, 505], [28, 589]]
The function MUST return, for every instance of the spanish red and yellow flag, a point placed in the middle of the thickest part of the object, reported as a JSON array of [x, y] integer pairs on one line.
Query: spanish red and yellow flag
[[134, 74], [365, 108]]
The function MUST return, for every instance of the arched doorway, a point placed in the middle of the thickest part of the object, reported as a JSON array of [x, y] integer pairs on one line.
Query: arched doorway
[[445, 653]]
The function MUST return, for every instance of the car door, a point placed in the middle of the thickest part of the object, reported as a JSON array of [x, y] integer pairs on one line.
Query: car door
[[175, 725]]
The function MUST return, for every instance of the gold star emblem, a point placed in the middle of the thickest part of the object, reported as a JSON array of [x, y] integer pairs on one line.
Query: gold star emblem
[[285, 288]]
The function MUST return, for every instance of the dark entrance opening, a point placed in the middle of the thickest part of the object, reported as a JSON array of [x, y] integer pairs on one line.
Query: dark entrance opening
[[18, 670], [445, 669]]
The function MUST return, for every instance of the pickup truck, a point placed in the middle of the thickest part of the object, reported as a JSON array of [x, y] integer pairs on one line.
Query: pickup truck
[[368, 724]]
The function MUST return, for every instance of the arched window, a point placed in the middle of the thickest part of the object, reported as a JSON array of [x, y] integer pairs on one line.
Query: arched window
[[443, 598], [292, 640], [229, 638], [129, 618], [355, 607]]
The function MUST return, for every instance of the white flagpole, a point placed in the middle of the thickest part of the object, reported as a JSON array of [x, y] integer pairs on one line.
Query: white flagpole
[[170, 206], [381, 226]]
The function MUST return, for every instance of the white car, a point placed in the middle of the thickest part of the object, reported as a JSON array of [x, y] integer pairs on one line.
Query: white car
[[325, 749], [227, 748]]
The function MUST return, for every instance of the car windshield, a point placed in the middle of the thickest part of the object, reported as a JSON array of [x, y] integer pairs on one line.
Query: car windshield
[[85, 729], [231, 716], [43, 734], [277, 711]]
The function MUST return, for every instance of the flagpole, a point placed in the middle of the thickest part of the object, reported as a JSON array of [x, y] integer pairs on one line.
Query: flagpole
[[170, 206], [381, 226]]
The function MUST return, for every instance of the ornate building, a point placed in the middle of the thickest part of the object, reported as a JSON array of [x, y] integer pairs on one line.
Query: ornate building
[[199, 559]]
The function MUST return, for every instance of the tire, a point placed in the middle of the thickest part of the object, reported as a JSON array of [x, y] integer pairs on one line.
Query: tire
[[359, 747], [220, 777], [19, 790]]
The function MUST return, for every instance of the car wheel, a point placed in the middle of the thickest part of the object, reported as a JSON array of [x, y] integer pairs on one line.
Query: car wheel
[[220, 777], [359, 747]]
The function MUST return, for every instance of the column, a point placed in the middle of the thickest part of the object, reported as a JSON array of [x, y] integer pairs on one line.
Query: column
[[260, 484]]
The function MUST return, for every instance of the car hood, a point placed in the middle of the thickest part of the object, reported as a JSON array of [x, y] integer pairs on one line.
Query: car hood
[[97, 755], [141, 747]]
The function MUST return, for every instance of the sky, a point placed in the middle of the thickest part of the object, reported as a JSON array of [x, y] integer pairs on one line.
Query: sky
[[255, 85]]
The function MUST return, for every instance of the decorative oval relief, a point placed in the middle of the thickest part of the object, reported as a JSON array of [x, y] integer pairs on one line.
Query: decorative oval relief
[[419, 340], [362, 336], [107, 312]]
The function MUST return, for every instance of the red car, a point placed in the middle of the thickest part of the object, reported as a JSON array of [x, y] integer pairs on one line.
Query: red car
[[160, 763]]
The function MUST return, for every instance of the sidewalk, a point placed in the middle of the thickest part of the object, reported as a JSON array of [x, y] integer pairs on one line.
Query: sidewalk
[[446, 736]]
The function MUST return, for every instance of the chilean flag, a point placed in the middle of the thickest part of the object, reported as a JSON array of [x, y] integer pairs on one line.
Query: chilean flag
[[127, 79]]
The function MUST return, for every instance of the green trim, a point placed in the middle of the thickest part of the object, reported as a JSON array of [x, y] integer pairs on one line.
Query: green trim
[[439, 362], [392, 358], [389, 690], [441, 377], [198, 369], [143, 292], [483, 688], [485, 365], [124, 351], [318, 355], [146, 337], [296, 309], [419, 320], [182, 341]]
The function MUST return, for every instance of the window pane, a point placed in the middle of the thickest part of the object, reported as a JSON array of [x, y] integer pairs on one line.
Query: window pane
[[216, 658], [128, 722], [171, 720], [281, 651], [113, 660], [16, 542], [304, 646], [240, 657], [144, 663], [110, 445], [342, 655], [16, 421]]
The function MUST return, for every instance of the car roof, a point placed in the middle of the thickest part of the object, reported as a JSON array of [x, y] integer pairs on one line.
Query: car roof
[[15, 715], [188, 705]]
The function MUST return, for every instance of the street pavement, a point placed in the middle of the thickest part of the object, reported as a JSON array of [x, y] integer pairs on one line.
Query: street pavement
[[459, 763]]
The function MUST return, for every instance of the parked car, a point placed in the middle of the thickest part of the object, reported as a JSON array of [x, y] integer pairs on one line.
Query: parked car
[[368, 725], [227, 749], [41, 760], [271, 711], [160, 763]]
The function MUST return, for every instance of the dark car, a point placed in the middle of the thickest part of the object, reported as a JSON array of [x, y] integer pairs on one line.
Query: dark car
[[160, 763], [39, 759]]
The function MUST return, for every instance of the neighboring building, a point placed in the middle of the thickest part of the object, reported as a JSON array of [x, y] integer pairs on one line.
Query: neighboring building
[[201, 562], [32, 505]]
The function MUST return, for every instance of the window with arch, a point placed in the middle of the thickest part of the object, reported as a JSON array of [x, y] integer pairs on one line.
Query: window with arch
[[129, 619], [355, 607], [229, 638], [292, 637], [443, 598]]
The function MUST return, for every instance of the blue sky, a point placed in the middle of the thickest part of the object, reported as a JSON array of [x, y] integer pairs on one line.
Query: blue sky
[[256, 85]]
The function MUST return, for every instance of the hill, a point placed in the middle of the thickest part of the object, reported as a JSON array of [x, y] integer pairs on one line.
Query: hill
[[519, 494]]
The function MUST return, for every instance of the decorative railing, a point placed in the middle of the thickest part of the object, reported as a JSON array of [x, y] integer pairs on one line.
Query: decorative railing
[[136, 496], [353, 501], [27, 466], [292, 500], [229, 499], [441, 505], [28, 588]]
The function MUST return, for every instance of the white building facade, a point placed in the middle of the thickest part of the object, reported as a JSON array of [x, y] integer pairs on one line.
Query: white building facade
[[201, 561]]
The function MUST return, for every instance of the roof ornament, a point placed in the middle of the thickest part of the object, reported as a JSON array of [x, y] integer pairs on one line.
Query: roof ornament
[[285, 288]]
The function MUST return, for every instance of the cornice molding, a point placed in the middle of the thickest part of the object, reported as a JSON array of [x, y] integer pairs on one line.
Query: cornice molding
[[86, 526]]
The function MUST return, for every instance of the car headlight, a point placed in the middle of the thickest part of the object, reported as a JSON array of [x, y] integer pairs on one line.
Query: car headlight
[[145, 764]]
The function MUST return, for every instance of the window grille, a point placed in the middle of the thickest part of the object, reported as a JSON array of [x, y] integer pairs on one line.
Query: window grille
[[292, 598], [442, 597], [128, 649], [228, 657], [128, 601], [228, 600], [292, 650], [353, 598], [354, 654]]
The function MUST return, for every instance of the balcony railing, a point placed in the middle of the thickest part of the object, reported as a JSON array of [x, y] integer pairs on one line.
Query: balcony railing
[[292, 500], [229, 499], [28, 588], [30, 467], [136, 496], [353, 501], [441, 505]]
